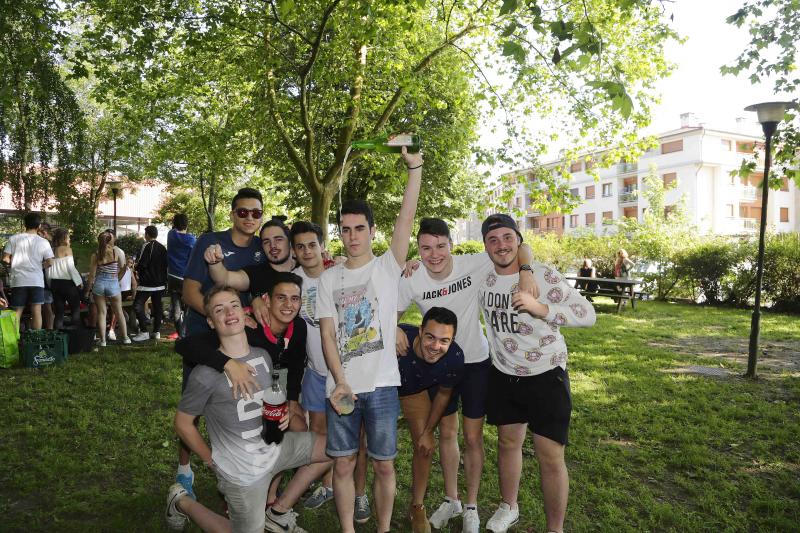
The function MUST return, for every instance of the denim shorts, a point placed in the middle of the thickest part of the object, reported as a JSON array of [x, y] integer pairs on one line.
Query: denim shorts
[[22, 296], [312, 395], [108, 287], [378, 410]]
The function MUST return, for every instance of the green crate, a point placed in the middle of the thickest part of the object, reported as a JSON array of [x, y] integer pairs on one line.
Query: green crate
[[44, 347]]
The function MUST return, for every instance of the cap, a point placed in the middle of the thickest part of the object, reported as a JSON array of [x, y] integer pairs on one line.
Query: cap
[[499, 220]]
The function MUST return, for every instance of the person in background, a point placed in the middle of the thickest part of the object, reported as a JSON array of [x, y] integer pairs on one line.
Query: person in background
[[623, 266], [151, 271], [65, 281], [27, 253], [46, 233], [587, 271], [105, 270], [179, 247]]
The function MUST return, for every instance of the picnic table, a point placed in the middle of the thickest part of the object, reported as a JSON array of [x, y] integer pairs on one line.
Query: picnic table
[[620, 289]]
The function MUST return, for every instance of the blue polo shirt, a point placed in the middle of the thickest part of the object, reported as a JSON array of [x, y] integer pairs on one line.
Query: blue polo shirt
[[417, 375], [236, 258]]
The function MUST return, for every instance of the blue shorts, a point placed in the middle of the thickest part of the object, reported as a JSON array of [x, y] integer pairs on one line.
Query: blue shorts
[[312, 394], [474, 388], [22, 296], [108, 287], [378, 410], [48, 296]]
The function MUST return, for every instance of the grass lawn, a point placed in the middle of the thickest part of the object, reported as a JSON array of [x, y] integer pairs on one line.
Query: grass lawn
[[89, 446]]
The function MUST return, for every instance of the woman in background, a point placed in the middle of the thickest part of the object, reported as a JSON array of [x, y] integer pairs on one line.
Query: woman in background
[[105, 271], [65, 280]]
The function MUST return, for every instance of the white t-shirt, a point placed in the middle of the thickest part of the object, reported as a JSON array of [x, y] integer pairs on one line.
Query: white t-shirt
[[363, 303], [27, 253], [458, 293], [316, 359], [520, 344]]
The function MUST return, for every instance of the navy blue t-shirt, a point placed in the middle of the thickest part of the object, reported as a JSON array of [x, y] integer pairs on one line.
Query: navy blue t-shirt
[[417, 375], [236, 258]]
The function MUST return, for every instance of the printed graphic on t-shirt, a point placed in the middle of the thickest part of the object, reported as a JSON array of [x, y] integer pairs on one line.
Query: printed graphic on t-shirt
[[359, 322], [454, 287], [308, 308]]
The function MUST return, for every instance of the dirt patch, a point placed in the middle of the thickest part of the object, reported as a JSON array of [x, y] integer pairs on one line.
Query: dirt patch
[[776, 356]]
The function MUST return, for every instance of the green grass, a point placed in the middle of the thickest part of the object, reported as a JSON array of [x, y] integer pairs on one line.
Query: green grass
[[89, 446]]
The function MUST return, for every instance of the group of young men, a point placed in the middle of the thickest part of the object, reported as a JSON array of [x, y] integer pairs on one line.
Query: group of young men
[[328, 330]]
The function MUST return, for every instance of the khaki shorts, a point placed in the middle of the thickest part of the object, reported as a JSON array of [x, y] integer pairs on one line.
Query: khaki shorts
[[246, 504]]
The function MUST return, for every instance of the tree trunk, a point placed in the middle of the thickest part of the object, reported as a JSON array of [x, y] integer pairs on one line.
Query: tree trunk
[[321, 207]]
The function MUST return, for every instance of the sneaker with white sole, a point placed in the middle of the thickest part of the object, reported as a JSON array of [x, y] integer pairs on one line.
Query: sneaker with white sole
[[449, 509], [362, 512], [157, 335], [111, 335], [141, 337], [101, 344], [503, 518], [187, 482], [282, 523], [126, 340], [321, 495], [470, 521], [175, 518]]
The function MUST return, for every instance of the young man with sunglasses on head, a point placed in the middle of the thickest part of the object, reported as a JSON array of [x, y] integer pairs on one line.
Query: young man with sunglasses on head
[[239, 248]]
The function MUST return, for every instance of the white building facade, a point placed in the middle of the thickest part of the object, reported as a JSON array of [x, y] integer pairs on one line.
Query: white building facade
[[694, 162]]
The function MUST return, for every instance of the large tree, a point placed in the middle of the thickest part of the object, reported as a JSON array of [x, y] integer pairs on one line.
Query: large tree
[[320, 73]]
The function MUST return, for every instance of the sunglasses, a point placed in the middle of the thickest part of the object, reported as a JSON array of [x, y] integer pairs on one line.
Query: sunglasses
[[242, 212]]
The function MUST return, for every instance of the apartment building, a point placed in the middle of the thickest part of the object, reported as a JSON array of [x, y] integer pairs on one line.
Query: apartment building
[[694, 160]]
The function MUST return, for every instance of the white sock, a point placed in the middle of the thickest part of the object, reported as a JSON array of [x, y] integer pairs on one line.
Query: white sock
[[185, 470]]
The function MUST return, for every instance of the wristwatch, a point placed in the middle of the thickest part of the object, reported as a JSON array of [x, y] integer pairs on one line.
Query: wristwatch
[[526, 267]]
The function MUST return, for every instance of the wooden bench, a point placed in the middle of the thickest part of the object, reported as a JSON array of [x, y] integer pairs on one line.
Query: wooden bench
[[618, 289]]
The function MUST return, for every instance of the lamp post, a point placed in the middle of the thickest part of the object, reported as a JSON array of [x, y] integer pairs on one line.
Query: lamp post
[[115, 186], [770, 114]]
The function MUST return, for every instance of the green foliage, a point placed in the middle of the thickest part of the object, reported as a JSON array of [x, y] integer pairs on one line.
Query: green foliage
[[710, 266], [781, 283], [774, 30], [131, 244], [468, 247], [379, 247]]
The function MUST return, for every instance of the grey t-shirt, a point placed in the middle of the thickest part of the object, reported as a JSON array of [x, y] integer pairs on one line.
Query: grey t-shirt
[[234, 426]]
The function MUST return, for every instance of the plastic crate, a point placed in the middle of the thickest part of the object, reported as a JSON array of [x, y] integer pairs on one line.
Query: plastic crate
[[44, 347]]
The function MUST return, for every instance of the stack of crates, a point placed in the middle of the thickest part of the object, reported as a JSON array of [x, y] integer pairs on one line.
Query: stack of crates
[[44, 347]]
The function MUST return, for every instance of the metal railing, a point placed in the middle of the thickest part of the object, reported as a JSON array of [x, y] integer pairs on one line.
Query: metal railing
[[626, 168]]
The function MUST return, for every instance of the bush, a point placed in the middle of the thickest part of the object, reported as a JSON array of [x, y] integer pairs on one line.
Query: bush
[[781, 284], [711, 266], [468, 247], [131, 244]]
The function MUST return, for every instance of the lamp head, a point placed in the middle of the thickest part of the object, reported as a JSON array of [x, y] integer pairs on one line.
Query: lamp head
[[114, 185], [771, 111]]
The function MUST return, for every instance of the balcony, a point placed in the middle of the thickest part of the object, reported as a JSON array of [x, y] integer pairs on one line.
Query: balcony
[[627, 168], [750, 224], [628, 194], [750, 193]]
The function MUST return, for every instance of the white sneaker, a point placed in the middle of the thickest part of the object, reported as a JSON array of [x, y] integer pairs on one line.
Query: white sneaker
[[126, 340], [157, 335], [285, 523], [175, 519], [503, 518], [141, 337], [471, 522], [112, 336], [449, 509], [101, 344]]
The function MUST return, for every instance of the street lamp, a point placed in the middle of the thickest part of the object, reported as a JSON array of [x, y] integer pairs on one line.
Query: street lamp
[[770, 114], [115, 186]]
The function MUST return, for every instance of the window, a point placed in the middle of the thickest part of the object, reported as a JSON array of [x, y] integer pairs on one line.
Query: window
[[535, 223], [606, 190], [784, 214], [727, 145], [517, 202], [673, 146], [784, 183], [630, 212], [577, 166], [573, 221], [589, 164], [669, 178], [589, 192], [575, 193], [590, 219], [668, 210], [744, 147], [729, 210], [551, 223]]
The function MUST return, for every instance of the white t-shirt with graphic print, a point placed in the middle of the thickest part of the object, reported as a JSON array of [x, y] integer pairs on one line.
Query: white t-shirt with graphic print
[[521, 344], [363, 304], [458, 293]]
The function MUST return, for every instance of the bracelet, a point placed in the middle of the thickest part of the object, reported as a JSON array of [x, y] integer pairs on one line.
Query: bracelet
[[415, 168]]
